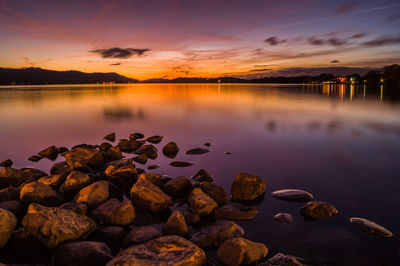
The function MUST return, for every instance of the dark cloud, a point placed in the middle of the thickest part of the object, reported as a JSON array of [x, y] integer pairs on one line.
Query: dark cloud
[[300, 71], [336, 41], [315, 41], [331, 41], [115, 64], [122, 53], [384, 40], [359, 35], [346, 8], [335, 61], [260, 65], [274, 41], [260, 70]]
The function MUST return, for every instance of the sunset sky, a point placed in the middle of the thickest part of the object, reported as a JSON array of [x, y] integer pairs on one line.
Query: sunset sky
[[182, 38]]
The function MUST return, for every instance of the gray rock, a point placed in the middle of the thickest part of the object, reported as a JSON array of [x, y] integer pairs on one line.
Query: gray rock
[[371, 227], [236, 211], [200, 203], [176, 225], [284, 218], [318, 210], [139, 235], [240, 251], [215, 234], [247, 187], [293, 195], [7, 226]]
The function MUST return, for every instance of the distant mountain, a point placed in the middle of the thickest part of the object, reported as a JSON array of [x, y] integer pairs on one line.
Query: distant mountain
[[34, 75], [197, 80]]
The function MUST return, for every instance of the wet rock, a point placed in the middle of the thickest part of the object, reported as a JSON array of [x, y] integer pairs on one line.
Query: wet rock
[[111, 235], [154, 139], [35, 158], [149, 150], [176, 225], [207, 144], [284, 218], [166, 250], [13, 206], [217, 193], [50, 153], [6, 163], [293, 195], [94, 194], [60, 168], [202, 176], [318, 210], [178, 185], [114, 212], [120, 163], [142, 158], [156, 179], [247, 187], [228, 153], [75, 181], [150, 197], [136, 136], [238, 251], [9, 193], [170, 150], [82, 158], [123, 177], [153, 166], [105, 146], [85, 146], [54, 181], [53, 226], [85, 253], [110, 137], [215, 234], [33, 173], [139, 235], [79, 208], [112, 154], [236, 211], [190, 217], [62, 150], [180, 164], [200, 203], [282, 260], [7, 225], [371, 227], [197, 151], [127, 145], [15, 177], [39, 193]]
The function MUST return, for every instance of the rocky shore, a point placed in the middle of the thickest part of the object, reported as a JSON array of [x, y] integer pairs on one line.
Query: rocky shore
[[97, 207]]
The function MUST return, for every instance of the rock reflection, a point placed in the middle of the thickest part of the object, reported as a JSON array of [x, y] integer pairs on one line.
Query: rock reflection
[[120, 113]]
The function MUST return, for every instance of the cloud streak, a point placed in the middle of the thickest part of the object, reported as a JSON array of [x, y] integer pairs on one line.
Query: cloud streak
[[121, 53]]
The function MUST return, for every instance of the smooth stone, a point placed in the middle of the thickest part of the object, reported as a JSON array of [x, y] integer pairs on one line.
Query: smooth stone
[[135, 136], [39, 193], [150, 197], [6, 163], [82, 158], [153, 166], [236, 211], [9, 193], [7, 226], [53, 226], [293, 195], [60, 168], [170, 150], [284, 218], [113, 236], [154, 178], [202, 176], [178, 185], [54, 181], [114, 212], [217, 193], [154, 139], [50, 152], [149, 150], [318, 210], [190, 217], [139, 235], [215, 234], [200, 203], [197, 151], [94, 194], [176, 225], [35, 158], [371, 227], [142, 158], [105, 146], [79, 208], [180, 164], [74, 182], [238, 251], [247, 187], [14, 206], [282, 260], [110, 137], [127, 145], [85, 253], [112, 154], [166, 250]]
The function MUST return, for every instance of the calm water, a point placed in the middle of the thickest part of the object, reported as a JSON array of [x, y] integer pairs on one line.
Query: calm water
[[342, 144]]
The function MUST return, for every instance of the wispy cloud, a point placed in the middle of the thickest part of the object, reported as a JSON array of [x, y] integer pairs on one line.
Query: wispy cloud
[[346, 8], [274, 40], [335, 61], [384, 40], [122, 53], [115, 64], [260, 70]]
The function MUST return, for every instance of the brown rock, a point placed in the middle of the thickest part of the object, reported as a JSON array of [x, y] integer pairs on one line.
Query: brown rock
[[200, 203], [149, 150], [110, 137], [139, 235], [197, 151], [94, 194], [238, 251], [154, 139], [74, 182], [14, 206], [111, 235], [215, 234], [135, 136], [112, 154], [149, 197], [82, 158], [35, 158], [54, 181], [170, 150], [156, 179], [50, 153], [202, 176], [236, 211], [114, 212], [181, 164], [190, 217], [79, 208], [7, 226], [6, 163], [142, 158], [60, 168], [9, 193], [318, 210], [39, 193], [247, 187], [178, 185], [105, 146], [217, 193], [176, 225]]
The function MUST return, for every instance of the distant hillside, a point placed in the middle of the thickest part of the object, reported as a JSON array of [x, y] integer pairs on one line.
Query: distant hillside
[[197, 80], [35, 75]]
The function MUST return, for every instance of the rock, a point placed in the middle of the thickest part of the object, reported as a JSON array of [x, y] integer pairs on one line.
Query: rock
[[154, 139], [235, 211], [53, 226], [33, 173], [39, 193], [149, 150], [112, 154], [190, 217], [166, 250], [127, 145], [62, 150], [85, 146], [6, 163], [238, 251], [110, 137], [120, 163], [228, 153], [60, 168], [247, 187], [178, 185], [123, 177], [142, 158], [114, 212], [156, 179], [14, 206], [170, 150], [283, 260], [153, 166], [318, 210], [35, 158], [217, 193], [50, 153], [202, 176], [215, 234], [207, 144], [136, 136], [54, 181], [85, 253], [111, 235], [82, 158], [200, 203], [79, 208], [176, 225], [74, 182], [7, 226], [9, 193], [371, 227], [284, 218], [180, 164], [105, 146], [197, 151], [293, 195], [149, 197], [94, 194], [139, 235], [15, 177]]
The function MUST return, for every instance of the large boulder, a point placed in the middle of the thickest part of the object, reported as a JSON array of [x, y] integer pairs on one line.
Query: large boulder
[[14, 206], [318, 210], [200, 203], [215, 234], [114, 212], [178, 185], [176, 225], [74, 182], [53, 226], [112, 154], [247, 187], [9, 193], [50, 153], [166, 250], [94, 194], [54, 181], [238, 251], [85, 253], [236, 211], [217, 193], [14, 177], [150, 197], [139, 235], [156, 179], [202, 176], [7, 225], [40, 193], [83, 158]]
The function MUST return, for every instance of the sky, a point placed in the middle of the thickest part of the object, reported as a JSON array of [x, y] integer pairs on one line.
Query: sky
[[190, 38]]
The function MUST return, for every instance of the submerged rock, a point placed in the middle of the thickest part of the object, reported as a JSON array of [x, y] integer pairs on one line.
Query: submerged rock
[[176, 225], [200, 203], [53, 181], [284, 217], [180, 164], [371, 227], [114, 212], [7, 226], [236, 211], [215, 234], [153, 166], [207, 144], [238, 251], [318, 210], [170, 150], [178, 185], [247, 187], [149, 197], [94, 194], [149, 150], [6, 163], [139, 235], [197, 151], [110, 137], [217, 193], [35, 158], [293, 195], [202, 176], [74, 182], [50, 152], [82, 158], [39, 193], [154, 139], [166, 250]]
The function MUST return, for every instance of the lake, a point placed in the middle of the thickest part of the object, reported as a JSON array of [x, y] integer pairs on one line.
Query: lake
[[341, 143]]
